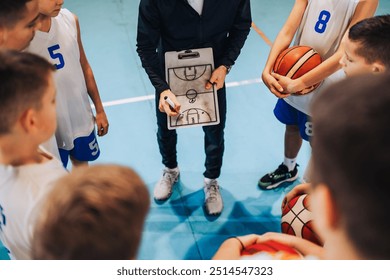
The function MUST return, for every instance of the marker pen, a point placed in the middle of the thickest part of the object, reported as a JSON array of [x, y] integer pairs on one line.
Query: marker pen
[[171, 104]]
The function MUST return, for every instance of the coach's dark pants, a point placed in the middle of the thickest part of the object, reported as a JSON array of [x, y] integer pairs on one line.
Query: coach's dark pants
[[214, 144]]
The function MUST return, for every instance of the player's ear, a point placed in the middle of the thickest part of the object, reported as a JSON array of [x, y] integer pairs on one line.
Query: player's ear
[[378, 67], [28, 120], [324, 210], [3, 36], [330, 215]]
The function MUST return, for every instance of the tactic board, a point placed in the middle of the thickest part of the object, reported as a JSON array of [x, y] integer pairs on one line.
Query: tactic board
[[187, 73]]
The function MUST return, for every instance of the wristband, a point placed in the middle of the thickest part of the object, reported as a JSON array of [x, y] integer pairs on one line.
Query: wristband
[[239, 240]]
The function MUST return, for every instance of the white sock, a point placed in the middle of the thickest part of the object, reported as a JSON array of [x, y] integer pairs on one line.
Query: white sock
[[207, 180], [290, 163], [176, 169]]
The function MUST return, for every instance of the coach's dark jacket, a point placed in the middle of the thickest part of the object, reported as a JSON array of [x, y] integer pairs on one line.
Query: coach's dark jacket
[[173, 25]]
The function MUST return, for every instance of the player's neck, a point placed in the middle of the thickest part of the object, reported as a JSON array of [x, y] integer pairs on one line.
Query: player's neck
[[339, 247], [45, 23], [16, 153]]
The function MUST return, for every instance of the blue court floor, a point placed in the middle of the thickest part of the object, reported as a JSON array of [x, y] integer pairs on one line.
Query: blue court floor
[[178, 228]]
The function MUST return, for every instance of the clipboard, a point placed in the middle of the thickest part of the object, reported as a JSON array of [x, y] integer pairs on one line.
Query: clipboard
[[187, 73]]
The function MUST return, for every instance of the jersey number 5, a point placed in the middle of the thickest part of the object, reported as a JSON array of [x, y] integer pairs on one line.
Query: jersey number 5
[[323, 20], [3, 220], [56, 55]]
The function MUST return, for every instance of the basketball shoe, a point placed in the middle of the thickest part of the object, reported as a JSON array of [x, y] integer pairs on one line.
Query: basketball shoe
[[164, 187], [213, 202], [280, 175]]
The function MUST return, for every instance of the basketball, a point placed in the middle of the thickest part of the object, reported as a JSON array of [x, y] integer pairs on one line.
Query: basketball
[[296, 61], [297, 219], [275, 249]]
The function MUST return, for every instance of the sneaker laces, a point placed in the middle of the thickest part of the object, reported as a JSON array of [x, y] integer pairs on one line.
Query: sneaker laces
[[212, 190], [282, 169], [169, 177]]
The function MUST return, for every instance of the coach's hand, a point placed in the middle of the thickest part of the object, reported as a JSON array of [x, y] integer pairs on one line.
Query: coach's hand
[[164, 106], [217, 78]]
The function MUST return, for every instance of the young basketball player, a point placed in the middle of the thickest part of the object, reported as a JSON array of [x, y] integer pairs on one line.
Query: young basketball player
[[349, 198], [88, 215], [18, 22], [366, 50], [28, 118], [320, 25], [59, 40]]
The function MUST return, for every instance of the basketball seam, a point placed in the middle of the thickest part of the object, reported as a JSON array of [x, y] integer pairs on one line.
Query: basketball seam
[[301, 61], [281, 59], [303, 64]]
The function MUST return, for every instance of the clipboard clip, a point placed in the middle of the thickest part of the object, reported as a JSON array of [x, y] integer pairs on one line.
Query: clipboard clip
[[188, 54]]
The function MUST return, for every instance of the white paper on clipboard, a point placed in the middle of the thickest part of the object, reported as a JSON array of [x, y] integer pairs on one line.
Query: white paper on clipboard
[[187, 73]]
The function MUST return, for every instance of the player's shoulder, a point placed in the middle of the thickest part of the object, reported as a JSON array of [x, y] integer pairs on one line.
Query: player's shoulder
[[67, 15]]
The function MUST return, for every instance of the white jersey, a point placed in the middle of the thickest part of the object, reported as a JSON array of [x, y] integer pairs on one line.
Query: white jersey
[[323, 26], [22, 190], [60, 47], [52, 147]]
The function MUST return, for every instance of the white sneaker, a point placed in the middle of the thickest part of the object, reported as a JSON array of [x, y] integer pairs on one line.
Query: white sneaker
[[213, 202], [163, 188]]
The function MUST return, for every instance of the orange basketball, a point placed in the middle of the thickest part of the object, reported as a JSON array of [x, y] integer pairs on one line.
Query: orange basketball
[[297, 219], [274, 248], [297, 61]]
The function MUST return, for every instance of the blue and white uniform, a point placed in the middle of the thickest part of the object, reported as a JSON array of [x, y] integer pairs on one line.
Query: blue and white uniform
[[22, 190], [323, 26], [74, 113]]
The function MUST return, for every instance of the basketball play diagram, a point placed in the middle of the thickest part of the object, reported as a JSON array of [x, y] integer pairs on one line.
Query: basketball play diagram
[[199, 106]]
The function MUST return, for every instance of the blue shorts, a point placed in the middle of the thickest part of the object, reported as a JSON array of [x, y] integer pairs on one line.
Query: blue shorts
[[85, 149], [288, 115]]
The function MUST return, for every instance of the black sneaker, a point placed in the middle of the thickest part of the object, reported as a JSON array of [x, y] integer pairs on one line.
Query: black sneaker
[[280, 175]]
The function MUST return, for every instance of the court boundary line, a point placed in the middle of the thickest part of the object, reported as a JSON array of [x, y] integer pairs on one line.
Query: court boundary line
[[152, 96]]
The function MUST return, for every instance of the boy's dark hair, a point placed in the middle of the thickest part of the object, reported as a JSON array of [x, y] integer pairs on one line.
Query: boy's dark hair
[[23, 82], [95, 212], [373, 36], [351, 155], [11, 11]]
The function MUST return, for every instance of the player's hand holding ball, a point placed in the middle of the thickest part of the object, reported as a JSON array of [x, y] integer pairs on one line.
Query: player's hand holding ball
[[290, 65], [167, 100]]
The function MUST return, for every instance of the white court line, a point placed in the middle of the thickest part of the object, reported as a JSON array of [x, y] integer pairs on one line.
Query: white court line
[[152, 96]]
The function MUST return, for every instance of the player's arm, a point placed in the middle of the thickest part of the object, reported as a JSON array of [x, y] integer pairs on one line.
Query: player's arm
[[231, 248], [282, 42], [303, 246], [93, 92], [365, 9]]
